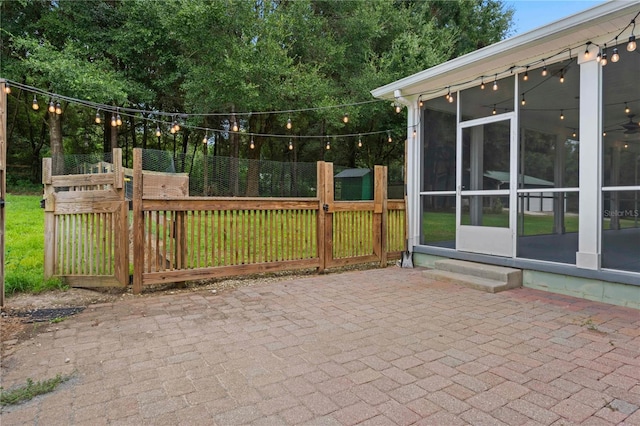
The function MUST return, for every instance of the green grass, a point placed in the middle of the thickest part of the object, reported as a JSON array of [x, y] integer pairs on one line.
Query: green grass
[[30, 390], [24, 246]]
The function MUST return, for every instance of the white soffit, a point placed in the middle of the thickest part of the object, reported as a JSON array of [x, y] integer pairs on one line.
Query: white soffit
[[599, 25]]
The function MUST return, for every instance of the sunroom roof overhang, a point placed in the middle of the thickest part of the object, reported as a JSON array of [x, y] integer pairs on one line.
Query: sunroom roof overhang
[[599, 25]]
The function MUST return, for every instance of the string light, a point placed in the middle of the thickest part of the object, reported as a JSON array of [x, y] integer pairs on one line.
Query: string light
[[604, 133], [389, 139], [289, 124], [113, 121], [176, 125], [290, 145], [398, 108], [482, 83], [626, 108], [172, 129], [158, 132], [494, 112], [561, 114], [603, 57], [7, 88], [599, 57], [345, 118], [415, 132], [34, 104], [52, 107], [420, 103], [495, 83], [359, 141], [206, 138], [525, 77], [118, 119], [252, 145], [58, 108], [523, 102], [544, 71], [562, 76], [615, 57], [98, 119], [328, 145], [631, 46], [586, 50], [574, 133]]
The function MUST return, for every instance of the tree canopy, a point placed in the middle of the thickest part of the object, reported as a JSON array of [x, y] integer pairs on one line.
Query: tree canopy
[[229, 57]]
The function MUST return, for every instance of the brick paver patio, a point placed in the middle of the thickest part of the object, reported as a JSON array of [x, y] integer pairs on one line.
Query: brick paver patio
[[376, 347]]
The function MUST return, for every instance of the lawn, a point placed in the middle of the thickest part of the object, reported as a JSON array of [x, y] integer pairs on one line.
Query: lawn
[[24, 241]]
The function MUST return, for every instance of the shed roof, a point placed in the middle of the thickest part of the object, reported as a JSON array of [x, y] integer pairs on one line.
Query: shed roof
[[598, 24], [351, 173]]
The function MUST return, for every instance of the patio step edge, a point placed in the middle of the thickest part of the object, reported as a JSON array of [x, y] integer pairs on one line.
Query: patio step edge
[[470, 281], [509, 276]]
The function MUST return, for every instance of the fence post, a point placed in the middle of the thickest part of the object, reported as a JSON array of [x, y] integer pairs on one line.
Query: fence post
[[138, 222], [380, 213], [49, 220], [321, 215], [121, 222]]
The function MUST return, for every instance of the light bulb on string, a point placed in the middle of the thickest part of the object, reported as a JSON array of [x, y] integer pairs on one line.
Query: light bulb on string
[[604, 133], [34, 105], [98, 119], [359, 141], [113, 121], [599, 57], [389, 138], [586, 51], [172, 129], [482, 83], [289, 124], [290, 144], [561, 114], [328, 145], [52, 107], [631, 46], [525, 77], [7, 87], [574, 134], [58, 108], [627, 110], [544, 71], [235, 127], [495, 83], [252, 145], [118, 120], [206, 138], [494, 112], [158, 132], [415, 132], [603, 56], [523, 102], [562, 76], [345, 118], [420, 103], [448, 95], [615, 57], [398, 108], [451, 99]]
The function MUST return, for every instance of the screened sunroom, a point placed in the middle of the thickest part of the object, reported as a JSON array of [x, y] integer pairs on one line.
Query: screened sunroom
[[527, 153]]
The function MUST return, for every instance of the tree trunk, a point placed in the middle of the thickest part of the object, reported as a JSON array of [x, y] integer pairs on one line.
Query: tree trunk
[[55, 139]]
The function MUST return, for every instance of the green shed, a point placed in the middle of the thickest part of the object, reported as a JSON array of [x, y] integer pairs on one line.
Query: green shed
[[354, 184]]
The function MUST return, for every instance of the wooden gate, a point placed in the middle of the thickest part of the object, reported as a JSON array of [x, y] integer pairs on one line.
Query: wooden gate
[[86, 226], [357, 232]]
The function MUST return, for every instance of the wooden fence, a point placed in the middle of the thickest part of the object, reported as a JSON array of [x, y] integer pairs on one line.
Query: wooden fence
[[177, 238]]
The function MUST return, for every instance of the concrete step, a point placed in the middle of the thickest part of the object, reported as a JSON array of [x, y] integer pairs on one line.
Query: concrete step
[[479, 276]]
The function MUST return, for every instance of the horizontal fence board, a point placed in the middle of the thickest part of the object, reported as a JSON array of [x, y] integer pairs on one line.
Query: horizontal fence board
[[347, 261], [352, 206], [225, 271], [82, 180], [87, 207], [203, 203], [91, 281], [86, 196]]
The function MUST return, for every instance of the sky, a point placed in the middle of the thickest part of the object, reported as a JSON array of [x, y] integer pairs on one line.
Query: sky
[[530, 14]]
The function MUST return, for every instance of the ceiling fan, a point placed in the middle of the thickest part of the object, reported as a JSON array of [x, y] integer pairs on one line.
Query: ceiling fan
[[631, 127]]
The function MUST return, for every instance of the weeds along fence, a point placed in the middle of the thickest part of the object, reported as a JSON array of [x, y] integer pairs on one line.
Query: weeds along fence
[[175, 236]]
